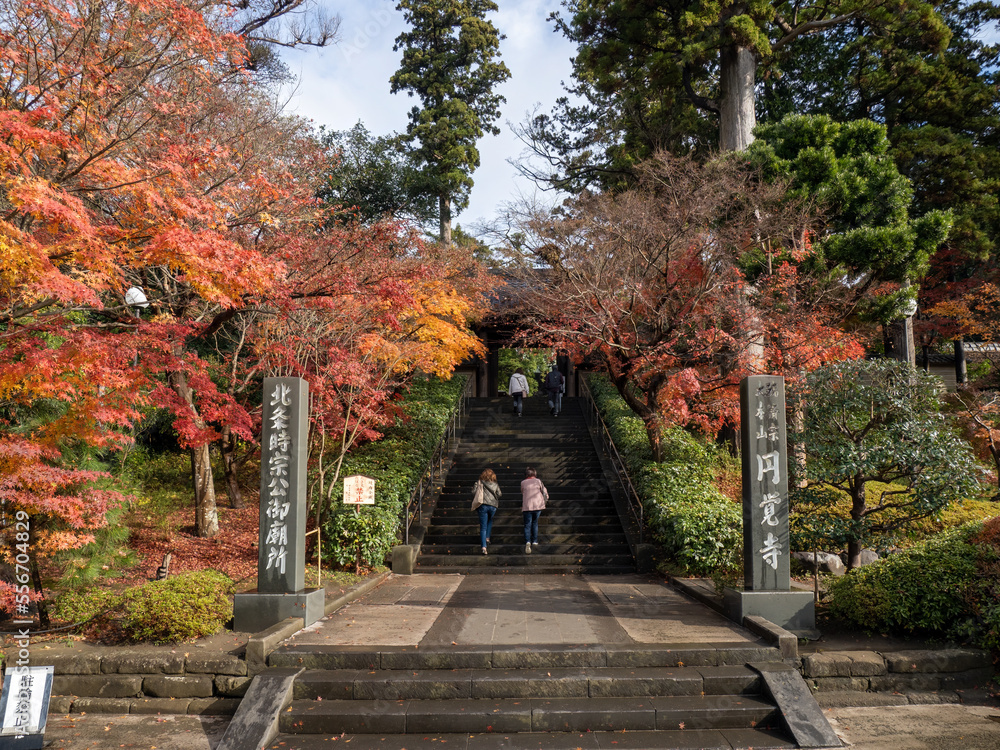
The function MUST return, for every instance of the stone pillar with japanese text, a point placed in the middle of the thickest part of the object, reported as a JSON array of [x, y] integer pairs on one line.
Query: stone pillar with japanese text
[[766, 580], [281, 542]]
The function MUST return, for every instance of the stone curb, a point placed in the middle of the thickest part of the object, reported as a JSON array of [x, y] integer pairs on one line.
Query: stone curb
[[261, 644], [205, 684]]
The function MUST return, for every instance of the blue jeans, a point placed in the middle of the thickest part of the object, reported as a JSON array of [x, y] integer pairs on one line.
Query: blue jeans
[[531, 525], [486, 513], [555, 400], [518, 401]]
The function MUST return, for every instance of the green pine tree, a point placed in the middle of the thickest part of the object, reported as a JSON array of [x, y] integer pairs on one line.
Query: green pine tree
[[451, 63]]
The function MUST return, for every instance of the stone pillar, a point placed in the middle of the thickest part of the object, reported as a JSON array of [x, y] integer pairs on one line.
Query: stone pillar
[[766, 579], [281, 541]]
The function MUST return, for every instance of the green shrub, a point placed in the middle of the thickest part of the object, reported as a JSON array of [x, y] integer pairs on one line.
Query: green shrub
[[179, 608], [82, 605], [397, 462], [696, 524], [924, 589]]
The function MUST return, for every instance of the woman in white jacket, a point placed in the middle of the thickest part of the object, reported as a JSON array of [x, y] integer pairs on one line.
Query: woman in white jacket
[[518, 388]]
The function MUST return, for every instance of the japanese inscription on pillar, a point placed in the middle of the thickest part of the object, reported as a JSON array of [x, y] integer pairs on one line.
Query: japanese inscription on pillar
[[281, 560], [765, 483]]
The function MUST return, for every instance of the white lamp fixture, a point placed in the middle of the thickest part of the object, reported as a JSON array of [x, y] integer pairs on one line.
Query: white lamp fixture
[[134, 297]]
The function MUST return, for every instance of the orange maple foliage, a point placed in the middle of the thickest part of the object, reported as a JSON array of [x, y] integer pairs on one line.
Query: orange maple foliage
[[135, 150]]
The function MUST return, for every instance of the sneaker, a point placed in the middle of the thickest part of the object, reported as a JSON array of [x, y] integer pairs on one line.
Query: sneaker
[[556, 414], [534, 544], [527, 549], [484, 550]]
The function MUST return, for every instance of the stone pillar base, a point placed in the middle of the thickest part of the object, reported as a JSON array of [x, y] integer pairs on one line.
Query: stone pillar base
[[791, 610], [255, 611], [404, 559]]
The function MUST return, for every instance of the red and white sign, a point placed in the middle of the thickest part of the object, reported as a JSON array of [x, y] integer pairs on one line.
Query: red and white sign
[[359, 490]]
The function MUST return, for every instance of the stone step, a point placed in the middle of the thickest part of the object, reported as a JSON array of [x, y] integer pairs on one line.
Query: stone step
[[564, 511], [523, 559], [459, 565], [622, 714], [597, 682], [439, 538], [551, 523], [686, 739], [500, 547], [541, 656]]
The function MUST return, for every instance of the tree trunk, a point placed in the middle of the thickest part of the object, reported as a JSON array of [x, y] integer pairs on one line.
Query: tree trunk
[[444, 202], [854, 545], [800, 459], [230, 466], [961, 371], [654, 434], [737, 116], [206, 512]]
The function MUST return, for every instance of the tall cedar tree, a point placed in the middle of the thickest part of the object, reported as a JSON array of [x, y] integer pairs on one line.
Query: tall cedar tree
[[451, 62], [679, 75]]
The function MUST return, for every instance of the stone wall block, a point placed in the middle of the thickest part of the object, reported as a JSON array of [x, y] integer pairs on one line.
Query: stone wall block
[[68, 663], [866, 663], [974, 678], [98, 686], [102, 705], [826, 665], [170, 686], [60, 704], [910, 683], [215, 664], [944, 660], [214, 706], [827, 684], [231, 686], [138, 663], [160, 705]]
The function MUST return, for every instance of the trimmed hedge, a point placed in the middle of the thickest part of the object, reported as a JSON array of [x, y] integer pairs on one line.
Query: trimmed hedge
[[947, 587], [396, 462], [179, 608], [696, 524]]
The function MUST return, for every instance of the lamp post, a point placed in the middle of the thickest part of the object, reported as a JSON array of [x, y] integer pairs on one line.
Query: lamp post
[[135, 298], [902, 344]]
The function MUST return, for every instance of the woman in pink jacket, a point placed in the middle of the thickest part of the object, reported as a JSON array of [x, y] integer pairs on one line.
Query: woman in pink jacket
[[533, 497]]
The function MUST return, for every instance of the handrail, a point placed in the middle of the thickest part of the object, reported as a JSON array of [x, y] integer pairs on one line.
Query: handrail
[[436, 468], [595, 420]]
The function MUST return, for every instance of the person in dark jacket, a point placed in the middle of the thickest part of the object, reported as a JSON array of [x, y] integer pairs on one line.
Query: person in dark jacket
[[555, 386]]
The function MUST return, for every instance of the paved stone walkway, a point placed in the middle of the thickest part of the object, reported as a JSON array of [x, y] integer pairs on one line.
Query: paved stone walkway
[[521, 609]]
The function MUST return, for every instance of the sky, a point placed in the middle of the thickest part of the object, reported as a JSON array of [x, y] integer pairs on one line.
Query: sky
[[349, 82]]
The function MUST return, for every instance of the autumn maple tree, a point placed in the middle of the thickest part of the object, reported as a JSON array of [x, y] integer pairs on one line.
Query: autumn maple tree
[[137, 150]]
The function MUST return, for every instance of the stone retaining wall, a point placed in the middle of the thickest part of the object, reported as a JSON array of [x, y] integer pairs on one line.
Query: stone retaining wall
[[147, 683], [934, 676]]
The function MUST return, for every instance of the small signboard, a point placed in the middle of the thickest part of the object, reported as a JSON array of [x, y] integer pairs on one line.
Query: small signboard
[[24, 707], [359, 490]]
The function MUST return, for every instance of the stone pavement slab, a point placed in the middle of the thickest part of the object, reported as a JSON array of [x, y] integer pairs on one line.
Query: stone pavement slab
[[128, 732], [521, 609], [398, 612], [651, 612]]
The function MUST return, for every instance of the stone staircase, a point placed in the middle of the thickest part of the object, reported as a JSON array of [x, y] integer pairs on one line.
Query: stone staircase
[[557, 697], [580, 531]]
